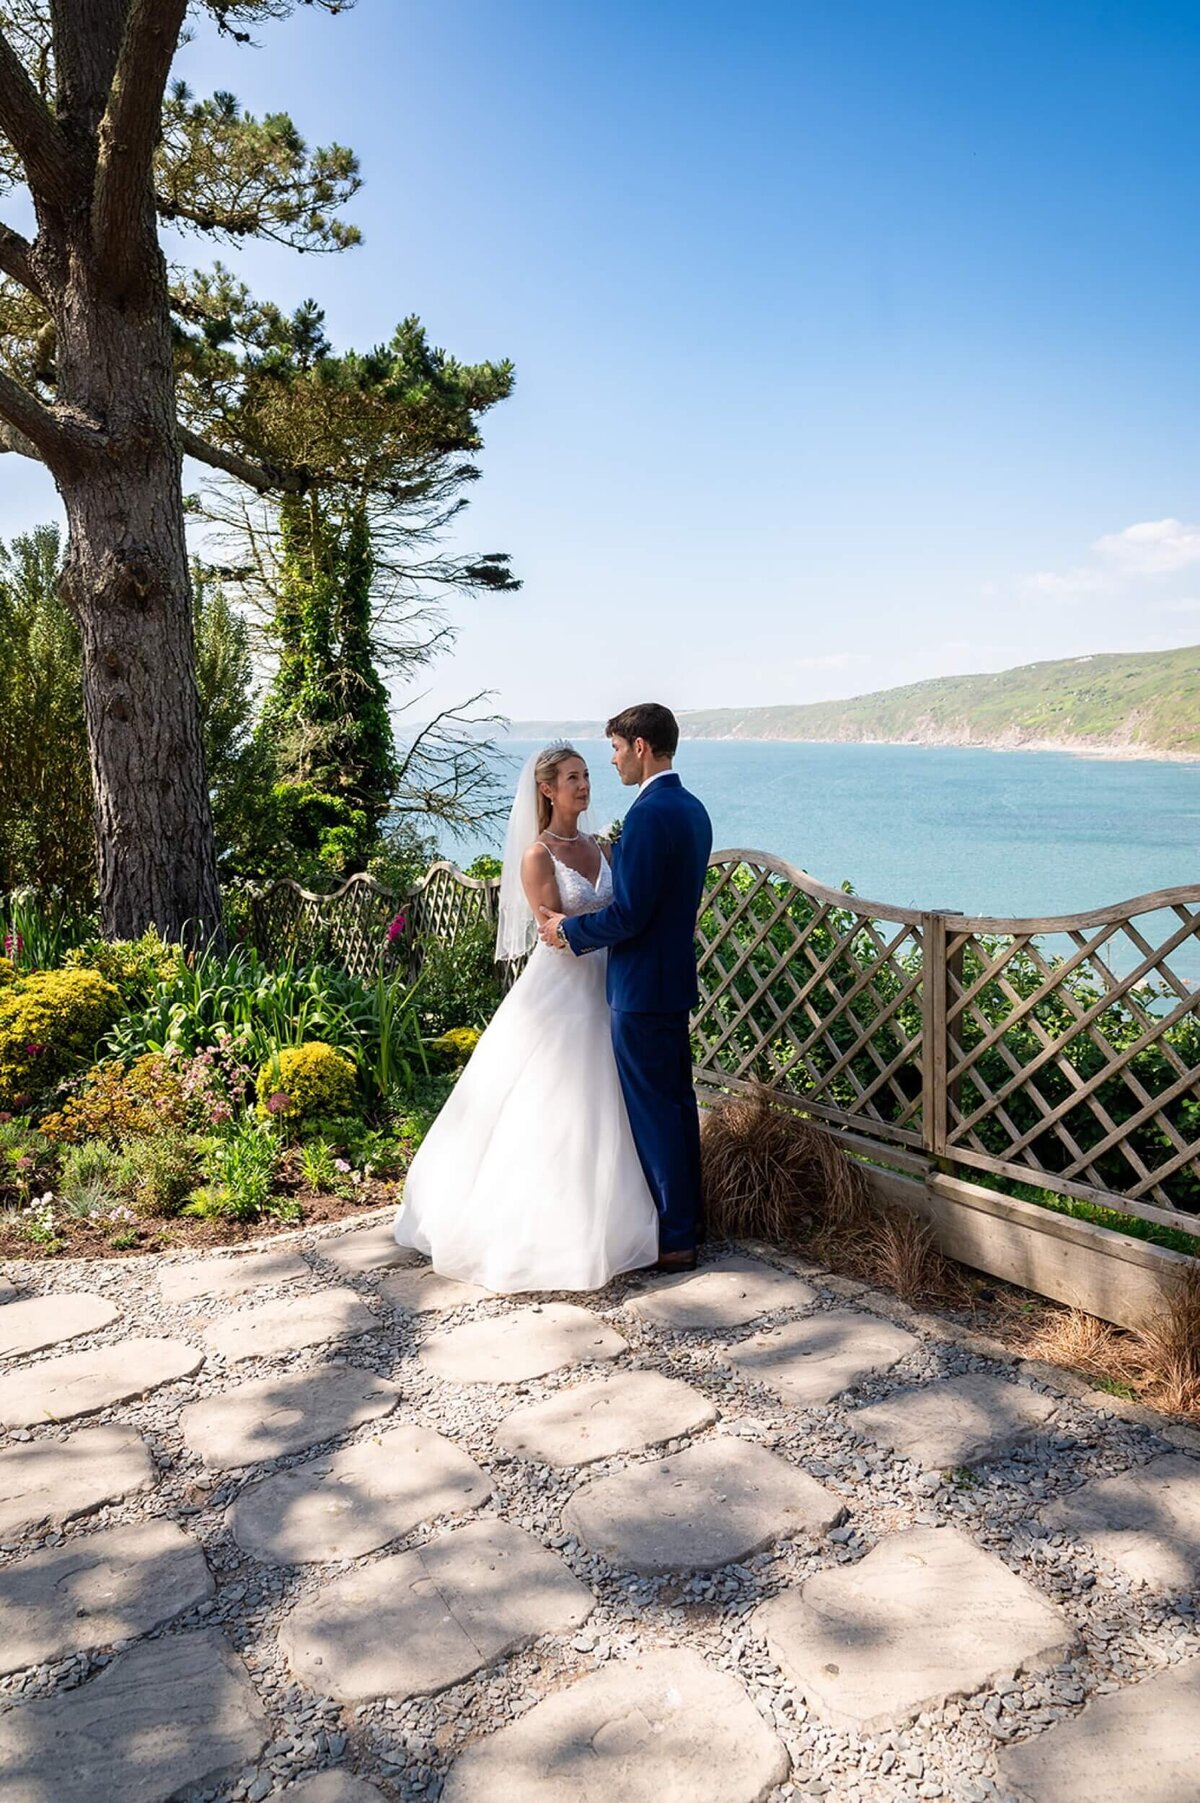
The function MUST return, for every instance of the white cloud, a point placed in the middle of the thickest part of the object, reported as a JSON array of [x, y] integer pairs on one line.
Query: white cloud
[[1152, 548], [834, 660], [1149, 548], [1063, 584]]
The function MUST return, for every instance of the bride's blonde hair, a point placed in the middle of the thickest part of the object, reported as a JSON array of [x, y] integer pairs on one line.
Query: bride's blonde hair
[[546, 770]]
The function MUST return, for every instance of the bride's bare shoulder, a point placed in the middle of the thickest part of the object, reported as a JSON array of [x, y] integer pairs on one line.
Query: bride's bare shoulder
[[536, 858]]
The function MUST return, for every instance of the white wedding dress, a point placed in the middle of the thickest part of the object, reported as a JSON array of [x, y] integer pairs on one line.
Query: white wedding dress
[[529, 1178]]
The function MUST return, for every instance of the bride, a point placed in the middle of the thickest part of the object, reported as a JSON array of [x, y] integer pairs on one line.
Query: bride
[[529, 1178]]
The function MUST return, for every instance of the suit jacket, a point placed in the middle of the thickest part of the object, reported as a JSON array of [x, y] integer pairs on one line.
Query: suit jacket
[[649, 927]]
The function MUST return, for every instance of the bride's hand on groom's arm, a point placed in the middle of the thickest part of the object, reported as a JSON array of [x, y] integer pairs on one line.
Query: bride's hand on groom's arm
[[548, 925]]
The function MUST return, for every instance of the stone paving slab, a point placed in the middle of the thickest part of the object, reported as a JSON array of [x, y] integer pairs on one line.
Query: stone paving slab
[[958, 1421], [169, 1713], [415, 1623], [333, 1787], [57, 1480], [1147, 1520], [623, 1412], [82, 1383], [289, 1324], [927, 1615], [662, 1728], [365, 1250], [810, 1362], [350, 1502], [97, 1589], [45, 1320], [700, 1509], [271, 1416], [222, 1277], [1136, 1745], [423, 1290], [529, 1342], [726, 1294]]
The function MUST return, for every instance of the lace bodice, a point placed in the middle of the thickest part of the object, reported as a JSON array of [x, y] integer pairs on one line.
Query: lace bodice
[[577, 895]]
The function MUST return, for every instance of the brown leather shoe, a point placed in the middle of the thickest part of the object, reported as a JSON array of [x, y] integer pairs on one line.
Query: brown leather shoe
[[676, 1261]]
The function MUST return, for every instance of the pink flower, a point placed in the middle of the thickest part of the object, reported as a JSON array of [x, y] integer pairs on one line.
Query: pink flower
[[397, 928], [14, 945], [5, 1117], [32, 1051], [341, 1164], [278, 1102]]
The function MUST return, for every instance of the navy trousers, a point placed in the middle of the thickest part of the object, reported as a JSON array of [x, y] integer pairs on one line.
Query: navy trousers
[[654, 1062]]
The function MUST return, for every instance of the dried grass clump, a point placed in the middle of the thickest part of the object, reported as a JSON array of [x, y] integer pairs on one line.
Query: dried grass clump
[[774, 1175], [1082, 1343], [769, 1174], [1170, 1349]]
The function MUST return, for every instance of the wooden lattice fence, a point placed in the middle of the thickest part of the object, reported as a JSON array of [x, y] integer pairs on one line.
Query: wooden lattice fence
[[1061, 1053]]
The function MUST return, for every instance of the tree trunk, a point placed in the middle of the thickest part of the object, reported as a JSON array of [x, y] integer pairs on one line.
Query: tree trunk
[[127, 582]]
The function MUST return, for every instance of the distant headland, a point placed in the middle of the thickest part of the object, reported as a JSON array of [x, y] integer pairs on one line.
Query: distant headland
[[1143, 704]]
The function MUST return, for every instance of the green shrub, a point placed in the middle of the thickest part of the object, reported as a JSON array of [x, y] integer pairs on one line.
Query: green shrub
[[157, 1174], [240, 1167], [26, 1161], [136, 966], [459, 981], [306, 1082], [49, 1024], [87, 1176]]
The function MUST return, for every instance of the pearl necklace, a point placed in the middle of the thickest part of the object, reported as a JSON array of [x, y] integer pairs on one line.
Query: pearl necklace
[[563, 838]]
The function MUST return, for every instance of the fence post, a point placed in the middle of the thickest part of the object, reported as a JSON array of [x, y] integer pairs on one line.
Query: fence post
[[939, 1047]]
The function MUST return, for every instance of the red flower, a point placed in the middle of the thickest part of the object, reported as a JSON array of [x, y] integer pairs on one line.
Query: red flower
[[32, 1051], [397, 928]]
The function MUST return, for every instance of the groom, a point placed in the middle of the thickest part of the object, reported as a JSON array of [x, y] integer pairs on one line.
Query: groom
[[649, 927]]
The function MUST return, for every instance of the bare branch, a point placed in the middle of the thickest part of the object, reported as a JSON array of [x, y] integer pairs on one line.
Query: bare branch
[[123, 226], [16, 253], [257, 476], [35, 134]]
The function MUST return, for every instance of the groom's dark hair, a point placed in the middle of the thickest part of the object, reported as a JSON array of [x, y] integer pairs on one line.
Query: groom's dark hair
[[651, 721]]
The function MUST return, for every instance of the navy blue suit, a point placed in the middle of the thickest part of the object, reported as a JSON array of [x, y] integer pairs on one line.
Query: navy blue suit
[[649, 928]]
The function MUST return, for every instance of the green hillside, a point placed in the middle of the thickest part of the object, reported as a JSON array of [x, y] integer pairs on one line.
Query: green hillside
[[1137, 703]]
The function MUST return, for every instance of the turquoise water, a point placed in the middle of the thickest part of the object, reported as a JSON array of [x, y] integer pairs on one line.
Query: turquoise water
[[984, 832]]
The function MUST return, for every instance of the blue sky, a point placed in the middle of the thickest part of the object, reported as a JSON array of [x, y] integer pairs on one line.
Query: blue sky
[[855, 342]]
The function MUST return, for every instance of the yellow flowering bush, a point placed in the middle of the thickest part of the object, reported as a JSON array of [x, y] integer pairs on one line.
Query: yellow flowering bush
[[136, 966], [50, 1021], [8, 971], [457, 1044], [118, 1102], [307, 1082]]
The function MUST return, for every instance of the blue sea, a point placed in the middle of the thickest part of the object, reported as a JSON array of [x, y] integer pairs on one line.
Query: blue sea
[[983, 832]]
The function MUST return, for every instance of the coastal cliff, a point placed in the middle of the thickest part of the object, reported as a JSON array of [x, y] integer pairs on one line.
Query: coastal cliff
[[1114, 704]]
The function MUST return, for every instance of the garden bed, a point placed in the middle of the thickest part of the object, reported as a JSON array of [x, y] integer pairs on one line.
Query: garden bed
[[84, 1239]]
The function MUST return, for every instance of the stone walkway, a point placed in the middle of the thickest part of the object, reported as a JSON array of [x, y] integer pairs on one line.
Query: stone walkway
[[313, 1523]]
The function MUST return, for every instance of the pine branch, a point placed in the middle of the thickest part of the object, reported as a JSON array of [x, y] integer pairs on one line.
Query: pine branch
[[35, 134], [262, 477], [16, 255], [123, 201], [49, 434]]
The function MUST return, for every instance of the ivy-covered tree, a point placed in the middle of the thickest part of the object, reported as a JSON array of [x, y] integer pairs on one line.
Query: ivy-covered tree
[[46, 835], [45, 800], [344, 581], [88, 344]]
